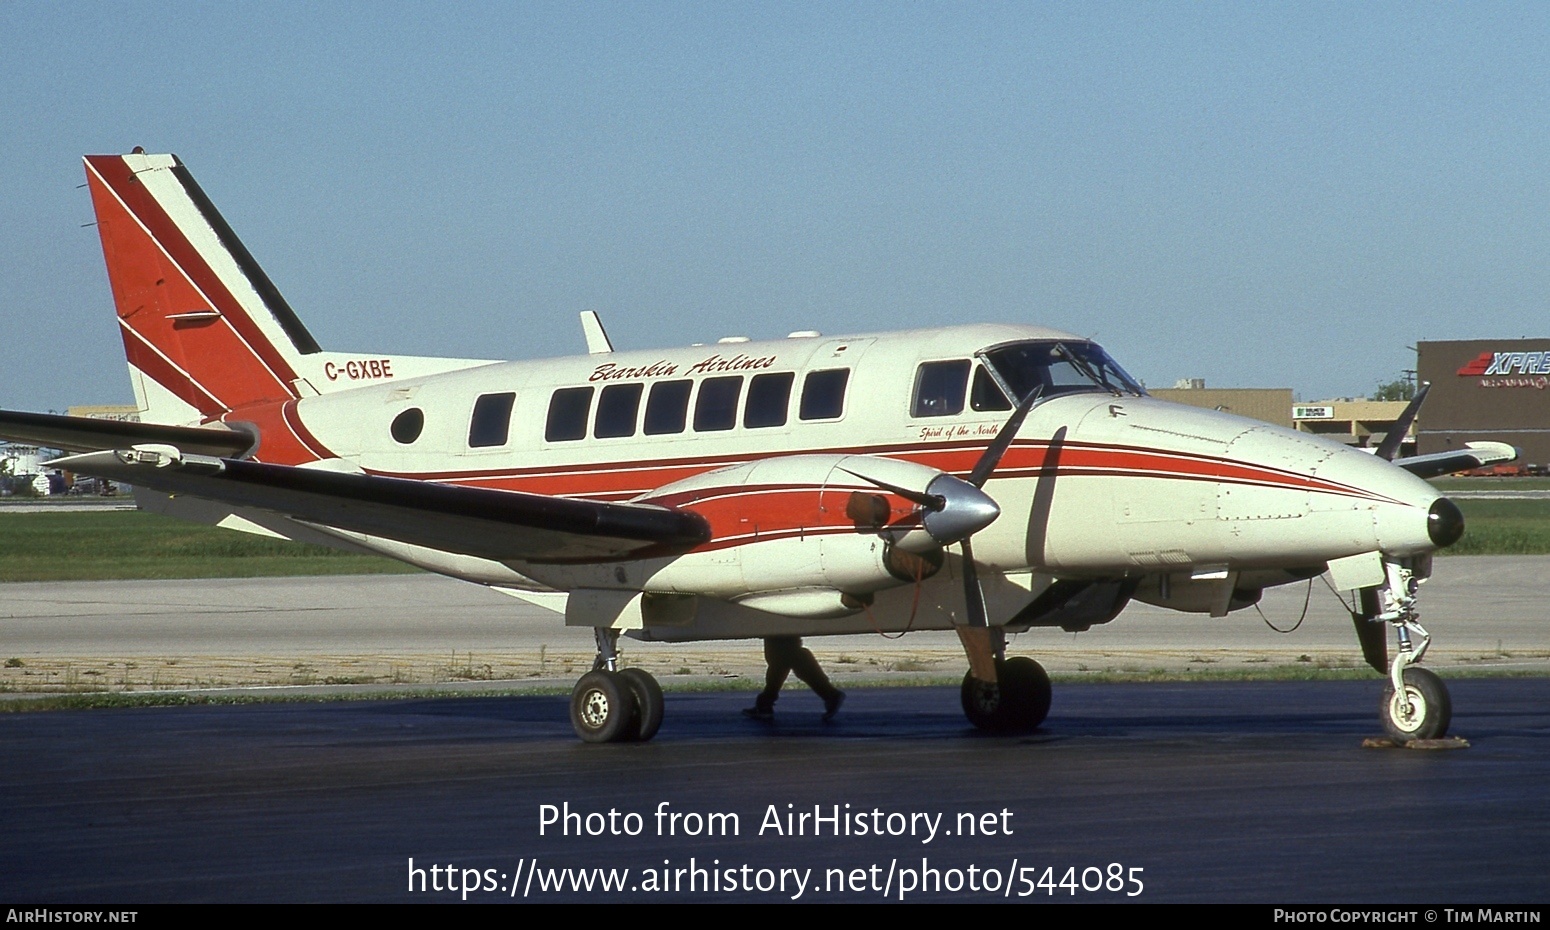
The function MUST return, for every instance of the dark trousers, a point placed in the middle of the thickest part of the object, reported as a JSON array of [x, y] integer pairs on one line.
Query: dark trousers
[[784, 655]]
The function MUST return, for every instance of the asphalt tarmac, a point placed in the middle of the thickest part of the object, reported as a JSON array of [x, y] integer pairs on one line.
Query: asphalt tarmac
[[1242, 792]]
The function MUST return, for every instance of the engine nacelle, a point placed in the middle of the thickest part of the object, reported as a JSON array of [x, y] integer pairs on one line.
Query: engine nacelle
[[811, 535]]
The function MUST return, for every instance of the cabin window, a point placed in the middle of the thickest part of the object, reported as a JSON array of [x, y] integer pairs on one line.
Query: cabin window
[[769, 399], [716, 407], [986, 394], [616, 410], [667, 409], [491, 421], [568, 410], [823, 394], [939, 388], [407, 426]]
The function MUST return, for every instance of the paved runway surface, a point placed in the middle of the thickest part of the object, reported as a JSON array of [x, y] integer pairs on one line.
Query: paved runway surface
[[1215, 792]]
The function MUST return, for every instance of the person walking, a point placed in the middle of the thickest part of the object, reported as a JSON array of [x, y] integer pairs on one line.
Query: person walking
[[784, 655]]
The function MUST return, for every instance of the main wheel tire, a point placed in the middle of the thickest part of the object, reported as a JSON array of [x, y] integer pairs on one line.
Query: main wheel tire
[[602, 707], [1027, 684], [1431, 710], [648, 704], [1017, 703]]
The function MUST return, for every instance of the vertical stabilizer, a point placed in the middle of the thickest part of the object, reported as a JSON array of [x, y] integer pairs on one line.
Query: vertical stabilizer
[[204, 329]]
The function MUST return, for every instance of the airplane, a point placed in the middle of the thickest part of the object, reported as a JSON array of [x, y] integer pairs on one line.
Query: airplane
[[985, 479]]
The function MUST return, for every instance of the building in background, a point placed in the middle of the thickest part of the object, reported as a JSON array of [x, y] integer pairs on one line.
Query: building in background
[[1273, 405], [1356, 421], [1487, 389]]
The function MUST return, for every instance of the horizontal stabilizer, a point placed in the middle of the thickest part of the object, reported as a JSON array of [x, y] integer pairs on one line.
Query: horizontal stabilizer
[[1473, 455], [87, 434], [500, 525]]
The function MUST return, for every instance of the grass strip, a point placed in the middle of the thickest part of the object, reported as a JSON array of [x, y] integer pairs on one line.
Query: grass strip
[[118, 544]]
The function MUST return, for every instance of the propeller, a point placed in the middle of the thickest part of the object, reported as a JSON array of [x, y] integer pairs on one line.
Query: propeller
[[1396, 434], [973, 594], [955, 508]]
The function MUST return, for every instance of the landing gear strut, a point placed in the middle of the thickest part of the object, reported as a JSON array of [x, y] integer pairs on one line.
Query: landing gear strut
[[1001, 695], [611, 705], [1415, 701]]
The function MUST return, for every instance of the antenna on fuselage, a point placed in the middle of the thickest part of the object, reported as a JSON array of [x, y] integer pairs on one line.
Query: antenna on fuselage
[[597, 337]]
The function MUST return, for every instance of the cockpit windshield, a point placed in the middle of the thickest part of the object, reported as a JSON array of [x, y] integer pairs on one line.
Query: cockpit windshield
[[1059, 368]]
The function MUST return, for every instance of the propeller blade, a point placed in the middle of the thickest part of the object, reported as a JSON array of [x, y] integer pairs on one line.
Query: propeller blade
[[973, 595], [1003, 441], [1396, 434], [932, 502]]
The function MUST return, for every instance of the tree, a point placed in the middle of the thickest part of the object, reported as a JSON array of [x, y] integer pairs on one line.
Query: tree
[[1401, 389]]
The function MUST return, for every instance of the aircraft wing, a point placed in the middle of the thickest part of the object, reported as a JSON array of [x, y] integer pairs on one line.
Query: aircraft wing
[[491, 524], [1473, 455], [86, 434]]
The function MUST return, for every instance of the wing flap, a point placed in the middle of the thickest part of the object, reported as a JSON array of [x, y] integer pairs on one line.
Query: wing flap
[[85, 434], [490, 524]]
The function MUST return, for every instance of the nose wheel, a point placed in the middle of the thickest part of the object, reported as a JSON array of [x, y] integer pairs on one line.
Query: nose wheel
[[1422, 711], [610, 705]]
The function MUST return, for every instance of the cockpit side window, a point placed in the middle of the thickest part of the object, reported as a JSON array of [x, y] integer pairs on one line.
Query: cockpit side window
[[986, 394], [939, 388]]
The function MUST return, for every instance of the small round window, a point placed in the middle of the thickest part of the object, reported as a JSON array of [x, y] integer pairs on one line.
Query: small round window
[[407, 425]]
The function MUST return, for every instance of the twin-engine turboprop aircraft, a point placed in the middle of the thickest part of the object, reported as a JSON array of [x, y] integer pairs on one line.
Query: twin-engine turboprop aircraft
[[985, 479]]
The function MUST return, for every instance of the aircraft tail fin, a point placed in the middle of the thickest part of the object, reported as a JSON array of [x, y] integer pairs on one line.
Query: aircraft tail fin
[[205, 331]]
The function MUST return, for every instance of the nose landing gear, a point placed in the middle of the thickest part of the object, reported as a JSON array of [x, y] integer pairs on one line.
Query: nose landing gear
[[1415, 701], [609, 705]]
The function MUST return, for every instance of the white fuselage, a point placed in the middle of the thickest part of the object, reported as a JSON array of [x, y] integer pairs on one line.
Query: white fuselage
[[1096, 484]]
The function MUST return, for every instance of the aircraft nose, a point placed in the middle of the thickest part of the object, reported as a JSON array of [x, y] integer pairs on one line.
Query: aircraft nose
[[1444, 523]]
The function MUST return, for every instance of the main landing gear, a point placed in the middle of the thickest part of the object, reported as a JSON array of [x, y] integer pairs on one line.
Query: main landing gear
[[610, 705], [1001, 695], [1415, 702]]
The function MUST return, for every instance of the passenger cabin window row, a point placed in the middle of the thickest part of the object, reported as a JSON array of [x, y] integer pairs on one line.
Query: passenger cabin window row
[[715, 406], [942, 388], [768, 404]]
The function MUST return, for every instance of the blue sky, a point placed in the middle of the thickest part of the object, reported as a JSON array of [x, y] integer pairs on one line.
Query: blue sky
[[1257, 194]]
